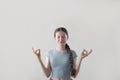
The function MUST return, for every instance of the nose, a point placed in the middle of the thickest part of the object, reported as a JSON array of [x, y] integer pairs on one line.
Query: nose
[[61, 39]]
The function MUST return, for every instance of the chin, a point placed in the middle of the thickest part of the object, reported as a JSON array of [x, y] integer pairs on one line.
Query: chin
[[62, 44]]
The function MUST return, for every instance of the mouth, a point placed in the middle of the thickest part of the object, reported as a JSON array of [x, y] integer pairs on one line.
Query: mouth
[[61, 42]]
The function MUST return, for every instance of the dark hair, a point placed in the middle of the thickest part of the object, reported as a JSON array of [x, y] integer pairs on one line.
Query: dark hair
[[68, 49], [61, 29]]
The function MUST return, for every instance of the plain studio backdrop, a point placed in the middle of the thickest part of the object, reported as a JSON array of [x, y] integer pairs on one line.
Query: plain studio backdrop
[[92, 24]]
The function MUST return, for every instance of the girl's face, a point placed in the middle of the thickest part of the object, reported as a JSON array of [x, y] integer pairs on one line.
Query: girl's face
[[61, 38]]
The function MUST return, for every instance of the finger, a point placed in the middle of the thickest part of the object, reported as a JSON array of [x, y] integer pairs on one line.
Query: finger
[[33, 50], [84, 51], [90, 51], [38, 51]]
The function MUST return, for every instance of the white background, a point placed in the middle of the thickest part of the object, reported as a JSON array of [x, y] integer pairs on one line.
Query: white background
[[92, 24]]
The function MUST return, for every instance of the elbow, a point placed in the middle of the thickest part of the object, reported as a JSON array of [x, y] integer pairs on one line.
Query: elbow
[[74, 76], [48, 75], [74, 73]]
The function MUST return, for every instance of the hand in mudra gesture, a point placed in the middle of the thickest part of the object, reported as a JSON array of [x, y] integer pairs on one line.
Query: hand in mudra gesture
[[37, 52], [85, 53]]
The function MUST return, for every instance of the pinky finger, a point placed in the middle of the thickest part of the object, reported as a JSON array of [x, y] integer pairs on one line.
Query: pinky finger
[[33, 50], [90, 51]]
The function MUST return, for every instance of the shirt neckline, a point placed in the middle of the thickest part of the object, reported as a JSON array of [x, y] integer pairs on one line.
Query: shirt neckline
[[60, 51]]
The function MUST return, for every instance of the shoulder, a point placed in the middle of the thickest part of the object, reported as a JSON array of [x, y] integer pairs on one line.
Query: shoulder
[[49, 52], [74, 53]]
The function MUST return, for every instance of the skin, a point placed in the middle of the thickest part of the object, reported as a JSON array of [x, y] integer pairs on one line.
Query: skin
[[61, 39]]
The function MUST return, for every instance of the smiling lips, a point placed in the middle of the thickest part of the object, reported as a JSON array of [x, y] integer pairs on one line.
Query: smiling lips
[[61, 42]]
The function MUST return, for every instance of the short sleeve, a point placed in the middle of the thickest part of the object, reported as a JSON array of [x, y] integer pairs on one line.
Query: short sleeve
[[74, 54], [48, 54]]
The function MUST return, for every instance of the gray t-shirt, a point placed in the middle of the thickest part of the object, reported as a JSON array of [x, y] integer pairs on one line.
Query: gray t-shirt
[[60, 63]]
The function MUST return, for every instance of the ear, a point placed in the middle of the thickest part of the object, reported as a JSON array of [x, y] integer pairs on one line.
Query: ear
[[67, 38], [54, 38]]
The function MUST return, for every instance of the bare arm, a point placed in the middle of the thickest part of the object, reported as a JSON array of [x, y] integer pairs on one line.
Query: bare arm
[[83, 55], [46, 69]]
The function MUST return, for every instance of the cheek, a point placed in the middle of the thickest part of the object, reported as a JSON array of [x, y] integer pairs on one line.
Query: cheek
[[64, 40], [56, 39]]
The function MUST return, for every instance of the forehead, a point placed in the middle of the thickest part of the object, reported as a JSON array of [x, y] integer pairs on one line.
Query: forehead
[[61, 33]]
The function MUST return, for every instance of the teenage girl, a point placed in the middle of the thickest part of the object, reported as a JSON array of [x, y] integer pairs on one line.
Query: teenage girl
[[61, 61]]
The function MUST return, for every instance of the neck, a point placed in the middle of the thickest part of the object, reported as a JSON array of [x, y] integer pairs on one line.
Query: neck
[[60, 48]]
